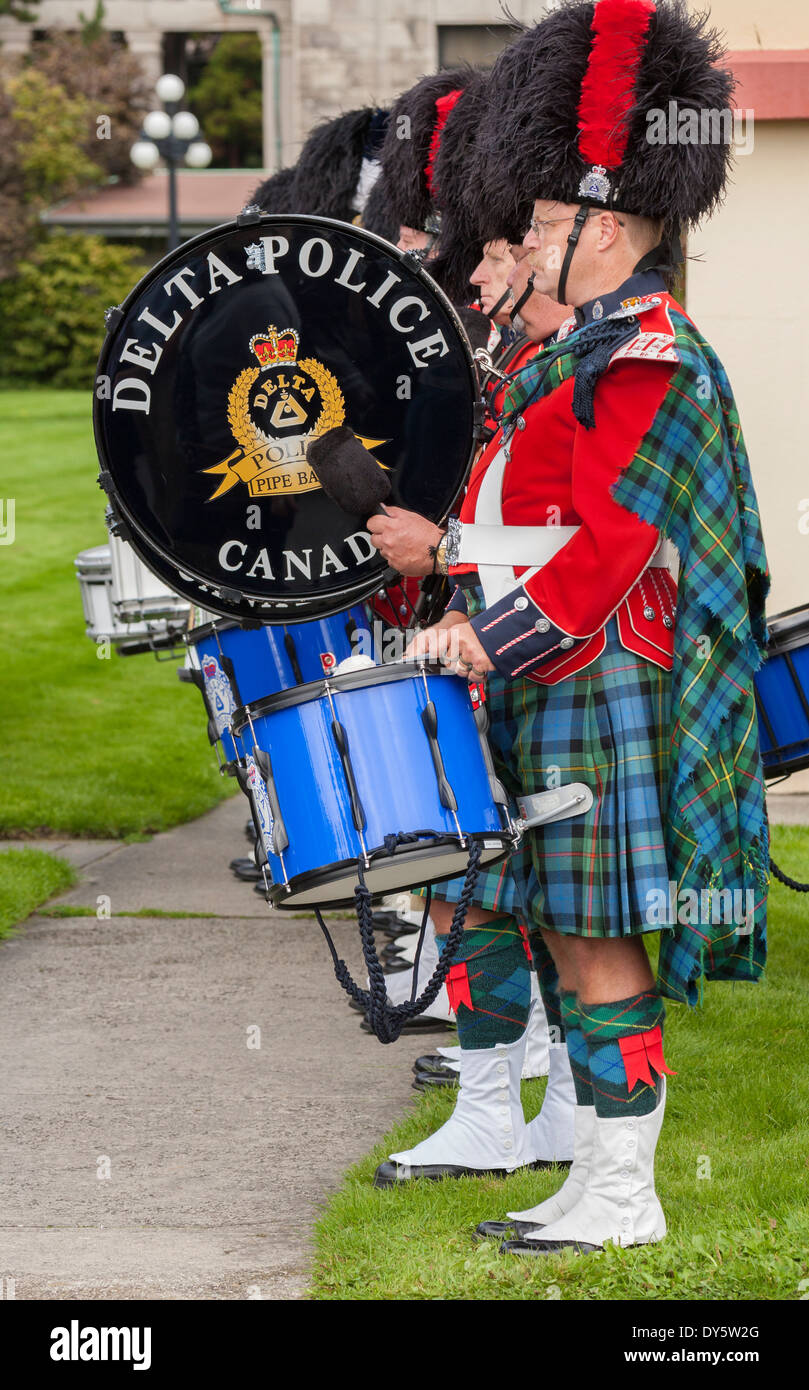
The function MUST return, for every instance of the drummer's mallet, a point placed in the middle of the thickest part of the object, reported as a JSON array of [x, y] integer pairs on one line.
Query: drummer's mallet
[[348, 473]]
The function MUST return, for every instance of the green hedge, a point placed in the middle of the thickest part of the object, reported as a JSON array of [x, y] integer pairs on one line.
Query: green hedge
[[52, 309]]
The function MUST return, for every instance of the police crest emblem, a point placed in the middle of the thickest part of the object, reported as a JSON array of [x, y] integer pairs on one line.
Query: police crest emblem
[[274, 411]]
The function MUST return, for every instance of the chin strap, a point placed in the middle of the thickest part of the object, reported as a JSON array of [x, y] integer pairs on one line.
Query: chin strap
[[572, 242], [501, 303], [524, 297]]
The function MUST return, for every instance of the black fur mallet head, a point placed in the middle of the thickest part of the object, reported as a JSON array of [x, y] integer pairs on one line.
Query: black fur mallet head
[[348, 473]]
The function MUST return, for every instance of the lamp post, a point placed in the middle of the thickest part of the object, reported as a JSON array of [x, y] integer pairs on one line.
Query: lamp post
[[171, 135]]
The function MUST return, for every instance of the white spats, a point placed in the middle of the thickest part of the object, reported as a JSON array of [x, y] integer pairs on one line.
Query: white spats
[[619, 1202], [487, 1129], [552, 1130], [572, 1188]]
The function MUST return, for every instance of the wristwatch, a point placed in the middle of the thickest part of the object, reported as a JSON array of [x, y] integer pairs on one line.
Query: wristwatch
[[446, 552], [440, 556]]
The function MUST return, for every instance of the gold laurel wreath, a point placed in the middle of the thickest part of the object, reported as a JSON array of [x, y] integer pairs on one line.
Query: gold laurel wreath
[[334, 406], [242, 427], [250, 437]]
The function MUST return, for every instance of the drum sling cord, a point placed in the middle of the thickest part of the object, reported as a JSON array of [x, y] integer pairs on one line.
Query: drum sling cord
[[386, 1019], [786, 880]]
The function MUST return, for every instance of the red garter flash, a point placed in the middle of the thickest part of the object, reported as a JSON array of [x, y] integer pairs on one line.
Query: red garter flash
[[638, 1051], [526, 944], [458, 986]]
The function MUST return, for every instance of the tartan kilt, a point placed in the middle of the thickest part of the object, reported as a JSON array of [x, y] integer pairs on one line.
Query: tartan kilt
[[596, 874]]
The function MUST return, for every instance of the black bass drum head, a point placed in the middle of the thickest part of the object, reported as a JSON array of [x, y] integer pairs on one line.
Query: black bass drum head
[[227, 359]]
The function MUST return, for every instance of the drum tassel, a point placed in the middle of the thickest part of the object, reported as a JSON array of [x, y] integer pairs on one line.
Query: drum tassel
[[386, 1019]]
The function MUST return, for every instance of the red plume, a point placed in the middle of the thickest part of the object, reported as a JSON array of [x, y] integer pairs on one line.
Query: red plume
[[619, 27], [443, 107]]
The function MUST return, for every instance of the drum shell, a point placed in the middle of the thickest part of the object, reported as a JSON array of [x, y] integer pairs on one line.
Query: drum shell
[[137, 593], [392, 764], [95, 584], [256, 662], [262, 664], [782, 695], [94, 573]]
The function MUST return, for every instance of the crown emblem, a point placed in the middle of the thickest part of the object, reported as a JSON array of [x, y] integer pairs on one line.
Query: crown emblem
[[595, 184], [273, 348]]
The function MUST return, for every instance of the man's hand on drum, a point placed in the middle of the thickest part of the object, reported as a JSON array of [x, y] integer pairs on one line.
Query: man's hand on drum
[[454, 643], [404, 539]]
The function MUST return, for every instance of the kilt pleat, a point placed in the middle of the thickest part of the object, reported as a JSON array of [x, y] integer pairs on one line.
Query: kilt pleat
[[600, 874]]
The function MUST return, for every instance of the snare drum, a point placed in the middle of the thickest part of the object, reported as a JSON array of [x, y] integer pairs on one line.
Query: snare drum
[[782, 695], [95, 583], [385, 765], [137, 594], [238, 665], [94, 573]]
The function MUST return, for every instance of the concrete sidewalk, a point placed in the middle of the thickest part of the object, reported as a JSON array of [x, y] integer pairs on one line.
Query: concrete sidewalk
[[125, 1046], [125, 1051]]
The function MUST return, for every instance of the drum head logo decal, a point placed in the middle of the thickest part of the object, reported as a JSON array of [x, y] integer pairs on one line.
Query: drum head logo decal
[[219, 693], [261, 801], [274, 410], [221, 367]]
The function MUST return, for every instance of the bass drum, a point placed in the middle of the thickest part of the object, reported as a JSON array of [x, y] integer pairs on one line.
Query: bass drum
[[222, 365]]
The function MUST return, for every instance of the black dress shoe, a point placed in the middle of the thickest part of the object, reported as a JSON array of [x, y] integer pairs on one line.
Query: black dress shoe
[[250, 831], [247, 871], [391, 1174], [393, 925], [419, 1024], [430, 1080], [396, 967], [547, 1247], [486, 1229], [433, 1063]]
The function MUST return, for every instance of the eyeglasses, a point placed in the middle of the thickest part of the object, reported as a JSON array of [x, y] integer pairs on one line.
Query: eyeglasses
[[537, 223]]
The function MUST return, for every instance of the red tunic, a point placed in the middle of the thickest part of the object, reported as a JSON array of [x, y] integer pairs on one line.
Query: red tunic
[[560, 473]]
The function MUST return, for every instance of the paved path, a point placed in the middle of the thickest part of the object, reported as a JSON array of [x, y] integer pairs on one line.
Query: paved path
[[126, 1039]]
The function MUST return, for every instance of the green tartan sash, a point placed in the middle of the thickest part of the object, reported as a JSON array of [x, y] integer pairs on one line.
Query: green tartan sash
[[690, 478]]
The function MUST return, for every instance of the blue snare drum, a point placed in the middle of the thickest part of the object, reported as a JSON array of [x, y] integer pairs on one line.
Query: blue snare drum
[[363, 756], [782, 695], [233, 665]]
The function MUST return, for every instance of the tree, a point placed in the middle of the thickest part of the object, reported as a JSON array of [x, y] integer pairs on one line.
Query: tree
[[23, 10], [40, 161], [92, 27], [53, 309], [110, 79], [227, 101]]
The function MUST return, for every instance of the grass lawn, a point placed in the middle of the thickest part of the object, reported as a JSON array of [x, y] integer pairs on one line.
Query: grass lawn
[[738, 1112], [29, 877], [92, 747]]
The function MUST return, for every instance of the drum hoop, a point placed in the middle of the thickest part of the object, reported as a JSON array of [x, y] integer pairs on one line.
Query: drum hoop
[[788, 630], [344, 681], [342, 597], [278, 895], [222, 624]]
